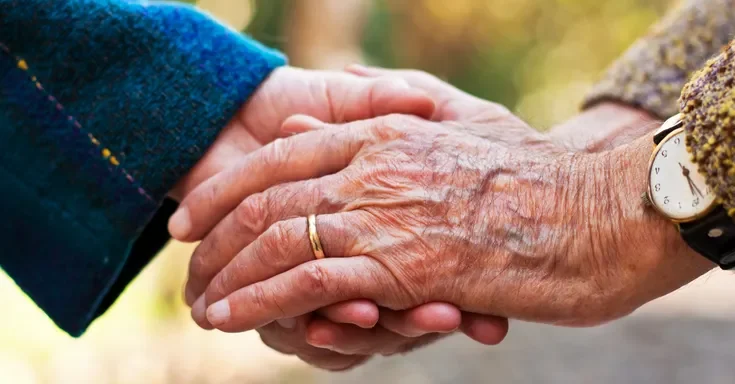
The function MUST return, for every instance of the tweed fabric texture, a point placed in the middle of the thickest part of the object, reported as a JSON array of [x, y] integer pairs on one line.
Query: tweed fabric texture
[[708, 107], [104, 105], [651, 74]]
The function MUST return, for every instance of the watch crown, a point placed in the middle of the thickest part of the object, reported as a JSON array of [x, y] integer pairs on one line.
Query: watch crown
[[669, 125]]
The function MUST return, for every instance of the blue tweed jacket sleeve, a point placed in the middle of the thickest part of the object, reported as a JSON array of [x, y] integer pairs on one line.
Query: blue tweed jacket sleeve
[[104, 105]]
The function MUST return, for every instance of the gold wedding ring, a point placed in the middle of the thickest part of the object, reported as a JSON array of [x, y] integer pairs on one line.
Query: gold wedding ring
[[316, 244]]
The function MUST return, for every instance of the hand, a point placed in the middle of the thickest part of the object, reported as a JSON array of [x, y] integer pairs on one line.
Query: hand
[[337, 97], [330, 96], [476, 116], [413, 211], [479, 117], [329, 345]]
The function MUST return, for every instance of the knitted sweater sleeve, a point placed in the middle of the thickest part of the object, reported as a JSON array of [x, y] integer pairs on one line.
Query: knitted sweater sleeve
[[661, 74], [652, 73], [707, 104], [104, 105]]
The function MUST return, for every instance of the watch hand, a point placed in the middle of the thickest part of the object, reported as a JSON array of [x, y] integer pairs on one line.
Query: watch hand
[[691, 186], [695, 187]]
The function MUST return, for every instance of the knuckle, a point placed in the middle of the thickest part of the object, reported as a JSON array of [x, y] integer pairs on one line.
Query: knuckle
[[316, 279], [203, 197], [277, 153], [276, 242], [391, 127], [252, 214], [219, 287], [320, 198], [259, 297]]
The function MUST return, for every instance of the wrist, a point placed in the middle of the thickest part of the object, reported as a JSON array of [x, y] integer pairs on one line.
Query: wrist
[[653, 257], [602, 127]]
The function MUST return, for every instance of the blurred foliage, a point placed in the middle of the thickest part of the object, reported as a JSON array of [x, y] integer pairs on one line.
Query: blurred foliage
[[535, 56]]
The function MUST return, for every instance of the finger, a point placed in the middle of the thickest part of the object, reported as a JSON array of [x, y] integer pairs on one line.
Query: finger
[[299, 124], [427, 318], [452, 103], [335, 362], [435, 87], [304, 289], [485, 329], [362, 313], [285, 245], [199, 313], [378, 97], [351, 340], [386, 95], [297, 158], [292, 341], [251, 218]]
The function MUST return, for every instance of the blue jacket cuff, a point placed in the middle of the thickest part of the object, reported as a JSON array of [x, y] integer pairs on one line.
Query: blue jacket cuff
[[104, 106]]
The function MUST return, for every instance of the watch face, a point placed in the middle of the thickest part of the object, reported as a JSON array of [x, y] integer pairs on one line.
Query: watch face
[[676, 188]]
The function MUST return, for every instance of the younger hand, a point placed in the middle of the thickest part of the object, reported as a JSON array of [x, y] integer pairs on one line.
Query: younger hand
[[330, 96]]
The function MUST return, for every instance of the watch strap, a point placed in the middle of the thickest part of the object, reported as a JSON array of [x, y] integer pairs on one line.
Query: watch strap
[[713, 237]]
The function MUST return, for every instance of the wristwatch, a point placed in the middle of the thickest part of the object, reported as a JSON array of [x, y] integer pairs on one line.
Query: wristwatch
[[677, 190]]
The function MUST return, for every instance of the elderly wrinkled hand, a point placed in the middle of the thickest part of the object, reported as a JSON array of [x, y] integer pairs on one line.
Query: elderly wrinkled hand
[[412, 211], [348, 327]]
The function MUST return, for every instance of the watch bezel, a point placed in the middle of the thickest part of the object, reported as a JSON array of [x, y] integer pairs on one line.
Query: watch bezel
[[656, 149]]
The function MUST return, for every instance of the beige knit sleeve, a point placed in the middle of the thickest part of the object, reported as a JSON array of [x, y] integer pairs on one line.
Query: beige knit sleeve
[[708, 107], [652, 73]]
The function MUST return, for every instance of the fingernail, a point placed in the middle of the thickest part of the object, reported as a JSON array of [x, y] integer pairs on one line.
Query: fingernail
[[319, 339], [199, 308], [288, 323], [179, 225], [219, 312], [320, 344]]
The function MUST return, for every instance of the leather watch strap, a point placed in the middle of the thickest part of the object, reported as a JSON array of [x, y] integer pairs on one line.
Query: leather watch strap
[[712, 237]]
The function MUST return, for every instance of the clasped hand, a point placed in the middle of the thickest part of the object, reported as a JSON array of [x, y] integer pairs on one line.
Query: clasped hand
[[463, 204], [342, 335]]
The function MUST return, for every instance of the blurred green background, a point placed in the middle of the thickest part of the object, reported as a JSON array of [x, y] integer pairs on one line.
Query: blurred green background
[[535, 56]]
